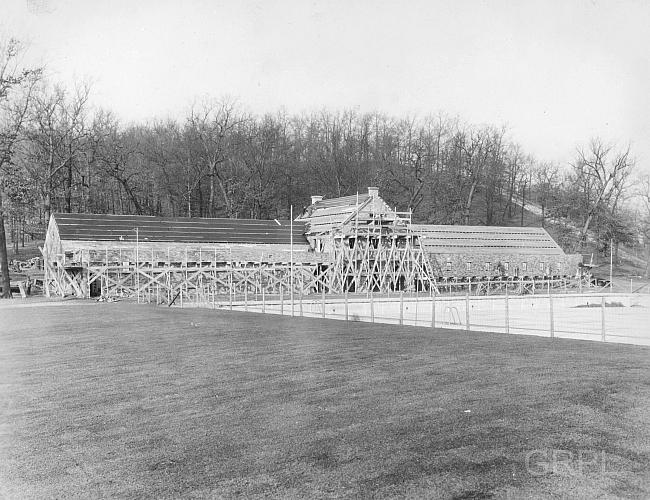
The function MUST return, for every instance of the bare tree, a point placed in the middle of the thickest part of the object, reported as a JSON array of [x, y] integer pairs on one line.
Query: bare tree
[[58, 133], [603, 173], [117, 156], [476, 147], [16, 88], [547, 179], [643, 194], [212, 124]]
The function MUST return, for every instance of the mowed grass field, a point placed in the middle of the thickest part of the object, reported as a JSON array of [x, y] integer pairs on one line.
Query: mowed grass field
[[128, 401]]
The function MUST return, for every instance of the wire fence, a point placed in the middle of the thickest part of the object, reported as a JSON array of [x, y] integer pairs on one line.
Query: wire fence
[[606, 317]]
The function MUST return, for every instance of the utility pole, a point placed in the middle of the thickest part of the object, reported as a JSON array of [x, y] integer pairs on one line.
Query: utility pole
[[137, 262], [611, 264], [291, 253]]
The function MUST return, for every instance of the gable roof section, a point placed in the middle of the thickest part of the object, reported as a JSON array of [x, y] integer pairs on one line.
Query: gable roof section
[[94, 227], [326, 215], [486, 239]]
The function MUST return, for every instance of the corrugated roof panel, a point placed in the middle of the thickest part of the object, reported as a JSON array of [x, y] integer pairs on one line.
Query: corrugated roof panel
[[178, 229]]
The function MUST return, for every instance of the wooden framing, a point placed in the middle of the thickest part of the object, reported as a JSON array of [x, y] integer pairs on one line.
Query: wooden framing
[[377, 259], [149, 277], [352, 244]]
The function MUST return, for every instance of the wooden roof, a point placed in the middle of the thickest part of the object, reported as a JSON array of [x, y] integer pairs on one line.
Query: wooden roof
[[327, 215], [95, 227], [486, 239], [344, 201]]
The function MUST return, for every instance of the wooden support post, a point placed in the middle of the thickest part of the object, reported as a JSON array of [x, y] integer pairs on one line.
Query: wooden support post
[[507, 310], [323, 303], [467, 310], [246, 297], [602, 318], [550, 311], [281, 301], [417, 301], [87, 290], [291, 292], [433, 310], [263, 301]]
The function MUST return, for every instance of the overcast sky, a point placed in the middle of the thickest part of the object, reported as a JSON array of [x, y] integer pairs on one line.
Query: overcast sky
[[554, 72]]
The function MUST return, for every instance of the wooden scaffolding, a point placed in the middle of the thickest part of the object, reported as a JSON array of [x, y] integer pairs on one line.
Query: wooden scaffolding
[[139, 273], [377, 258]]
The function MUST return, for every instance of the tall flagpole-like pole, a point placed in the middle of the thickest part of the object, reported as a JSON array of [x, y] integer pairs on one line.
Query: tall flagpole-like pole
[[611, 264], [137, 262], [291, 254]]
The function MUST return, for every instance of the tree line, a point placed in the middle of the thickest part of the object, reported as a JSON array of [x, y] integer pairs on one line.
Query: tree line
[[59, 153]]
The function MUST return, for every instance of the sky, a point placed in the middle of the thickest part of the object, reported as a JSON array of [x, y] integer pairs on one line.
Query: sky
[[554, 73]]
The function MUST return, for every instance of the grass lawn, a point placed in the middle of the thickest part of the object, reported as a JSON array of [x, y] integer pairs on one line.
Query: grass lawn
[[121, 400]]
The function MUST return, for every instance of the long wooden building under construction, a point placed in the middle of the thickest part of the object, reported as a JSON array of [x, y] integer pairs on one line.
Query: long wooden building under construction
[[125, 255], [349, 244]]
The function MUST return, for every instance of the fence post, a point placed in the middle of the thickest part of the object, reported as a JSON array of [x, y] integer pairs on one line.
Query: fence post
[[323, 312], [263, 301], [346, 305], [181, 290], [372, 307], [433, 310], [467, 310], [417, 301], [507, 311], [230, 295], [214, 292], [602, 318], [550, 308], [281, 301], [246, 298], [157, 294], [401, 307], [300, 299]]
